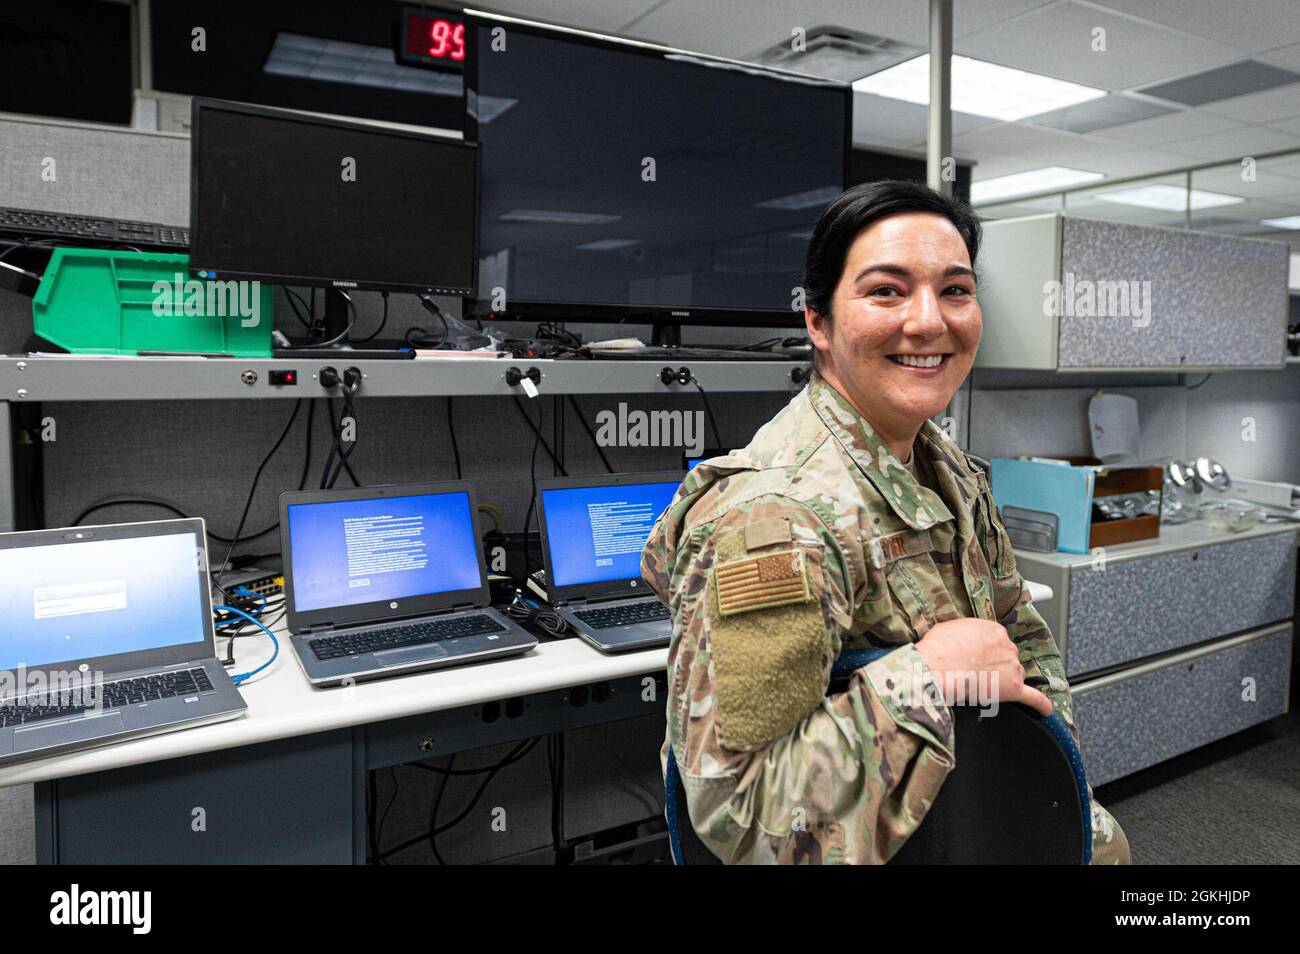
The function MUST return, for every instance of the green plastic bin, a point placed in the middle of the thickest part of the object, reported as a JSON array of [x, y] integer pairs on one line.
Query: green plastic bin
[[97, 301]]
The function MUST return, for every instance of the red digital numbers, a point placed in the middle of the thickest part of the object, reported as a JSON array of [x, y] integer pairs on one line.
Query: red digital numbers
[[435, 38]]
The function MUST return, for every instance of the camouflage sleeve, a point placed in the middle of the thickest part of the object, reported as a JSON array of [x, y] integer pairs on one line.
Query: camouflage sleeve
[[774, 769], [1039, 654]]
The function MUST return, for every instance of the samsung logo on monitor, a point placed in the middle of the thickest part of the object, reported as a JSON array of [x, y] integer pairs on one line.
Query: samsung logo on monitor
[[344, 284], [680, 314]]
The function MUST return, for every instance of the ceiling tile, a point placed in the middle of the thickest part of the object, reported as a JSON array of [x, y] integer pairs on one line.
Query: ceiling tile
[[604, 16], [1179, 125], [742, 28], [1236, 81], [894, 122], [1057, 41], [1105, 113], [1287, 125], [1265, 107], [1234, 143], [1288, 56], [1250, 27]]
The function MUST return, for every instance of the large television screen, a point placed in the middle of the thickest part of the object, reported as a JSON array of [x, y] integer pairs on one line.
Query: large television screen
[[620, 179]]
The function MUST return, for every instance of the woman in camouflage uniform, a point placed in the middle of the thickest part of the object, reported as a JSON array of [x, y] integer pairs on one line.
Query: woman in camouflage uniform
[[851, 520]]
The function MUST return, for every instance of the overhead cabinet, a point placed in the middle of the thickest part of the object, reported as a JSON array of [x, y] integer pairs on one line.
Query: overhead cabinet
[[1061, 293]]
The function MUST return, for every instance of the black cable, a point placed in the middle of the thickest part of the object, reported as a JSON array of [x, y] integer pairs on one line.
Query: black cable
[[538, 434], [163, 505], [708, 409], [252, 490], [455, 448], [1193, 387], [522, 749], [338, 457], [555, 764], [295, 300], [379, 835], [532, 496], [382, 322], [372, 807], [433, 812], [573, 402], [424, 337], [341, 336]]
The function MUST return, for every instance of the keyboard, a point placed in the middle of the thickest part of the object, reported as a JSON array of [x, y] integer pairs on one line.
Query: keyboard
[[25, 223], [113, 695], [611, 616], [399, 637]]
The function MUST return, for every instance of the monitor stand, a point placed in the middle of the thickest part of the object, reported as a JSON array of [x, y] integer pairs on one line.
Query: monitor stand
[[336, 323]]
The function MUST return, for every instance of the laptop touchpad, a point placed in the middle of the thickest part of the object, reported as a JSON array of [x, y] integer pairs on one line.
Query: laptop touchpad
[[42, 736], [403, 656]]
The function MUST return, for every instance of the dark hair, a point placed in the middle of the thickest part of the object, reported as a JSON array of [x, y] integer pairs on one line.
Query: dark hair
[[860, 207]]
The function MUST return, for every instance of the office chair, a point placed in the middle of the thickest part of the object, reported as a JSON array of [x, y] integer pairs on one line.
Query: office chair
[[1017, 794]]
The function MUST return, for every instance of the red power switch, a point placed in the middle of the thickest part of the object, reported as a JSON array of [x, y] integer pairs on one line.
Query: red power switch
[[281, 379]]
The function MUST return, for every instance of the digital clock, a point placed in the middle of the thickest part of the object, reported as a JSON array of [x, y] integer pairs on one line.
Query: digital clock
[[433, 40]]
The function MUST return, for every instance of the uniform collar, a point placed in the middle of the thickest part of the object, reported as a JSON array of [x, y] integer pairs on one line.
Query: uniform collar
[[917, 506]]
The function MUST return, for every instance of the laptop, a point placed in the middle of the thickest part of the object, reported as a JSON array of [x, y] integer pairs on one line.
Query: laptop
[[382, 581], [593, 532], [107, 635]]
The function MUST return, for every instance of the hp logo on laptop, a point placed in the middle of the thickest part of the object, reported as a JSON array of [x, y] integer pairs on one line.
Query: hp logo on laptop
[[392, 605]]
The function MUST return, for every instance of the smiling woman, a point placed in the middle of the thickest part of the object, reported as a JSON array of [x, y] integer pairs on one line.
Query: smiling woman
[[850, 521], [891, 303]]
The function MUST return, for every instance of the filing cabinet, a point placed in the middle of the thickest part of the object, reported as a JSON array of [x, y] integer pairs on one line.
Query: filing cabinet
[[1063, 293], [1157, 636]]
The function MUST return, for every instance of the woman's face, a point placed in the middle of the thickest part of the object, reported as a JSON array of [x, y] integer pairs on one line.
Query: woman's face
[[907, 293]]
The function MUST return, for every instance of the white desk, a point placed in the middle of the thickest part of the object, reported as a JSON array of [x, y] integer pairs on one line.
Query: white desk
[[339, 733]]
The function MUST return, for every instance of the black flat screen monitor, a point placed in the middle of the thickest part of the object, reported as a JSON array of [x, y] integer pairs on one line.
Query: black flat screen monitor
[[620, 180], [295, 199]]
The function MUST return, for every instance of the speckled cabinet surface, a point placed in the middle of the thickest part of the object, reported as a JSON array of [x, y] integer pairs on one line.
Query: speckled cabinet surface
[[1214, 300], [1140, 607], [1134, 720]]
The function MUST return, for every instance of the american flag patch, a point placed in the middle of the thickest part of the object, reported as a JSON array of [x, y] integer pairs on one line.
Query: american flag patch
[[774, 579]]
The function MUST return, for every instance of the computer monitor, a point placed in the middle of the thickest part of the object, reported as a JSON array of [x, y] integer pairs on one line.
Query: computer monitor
[[296, 199], [346, 550], [92, 594], [621, 180], [595, 528]]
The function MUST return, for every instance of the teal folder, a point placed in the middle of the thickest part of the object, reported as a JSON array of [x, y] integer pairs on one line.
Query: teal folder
[[1060, 488]]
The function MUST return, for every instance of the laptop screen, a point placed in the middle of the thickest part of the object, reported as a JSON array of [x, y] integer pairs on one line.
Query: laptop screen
[[83, 599], [596, 534], [346, 552]]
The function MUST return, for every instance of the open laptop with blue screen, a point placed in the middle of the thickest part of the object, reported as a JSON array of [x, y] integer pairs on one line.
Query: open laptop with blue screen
[[593, 532], [382, 581], [106, 634]]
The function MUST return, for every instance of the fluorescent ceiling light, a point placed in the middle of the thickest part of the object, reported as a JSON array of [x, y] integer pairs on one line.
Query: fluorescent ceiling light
[[1291, 222], [1168, 198], [606, 245], [980, 88], [563, 218], [798, 201], [1027, 183], [338, 61]]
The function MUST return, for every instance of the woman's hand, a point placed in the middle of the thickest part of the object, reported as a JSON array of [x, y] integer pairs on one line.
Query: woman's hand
[[972, 658]]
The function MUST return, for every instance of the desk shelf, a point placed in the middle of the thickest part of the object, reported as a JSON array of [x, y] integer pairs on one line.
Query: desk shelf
[[66, 378]]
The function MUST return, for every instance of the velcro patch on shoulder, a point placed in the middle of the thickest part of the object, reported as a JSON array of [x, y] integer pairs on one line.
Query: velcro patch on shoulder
[[761, 582], [894, 546]]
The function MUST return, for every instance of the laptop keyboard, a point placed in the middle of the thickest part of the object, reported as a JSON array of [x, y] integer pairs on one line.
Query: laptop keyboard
[[114, 695], [416, 634], [611, 616]]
